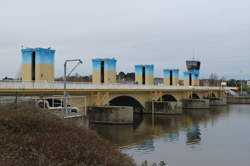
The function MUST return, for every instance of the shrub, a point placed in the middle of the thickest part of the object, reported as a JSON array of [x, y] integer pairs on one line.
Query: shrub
[[30, 136]]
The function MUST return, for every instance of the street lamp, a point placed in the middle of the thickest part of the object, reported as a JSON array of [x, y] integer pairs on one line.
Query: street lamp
[[65, 79]]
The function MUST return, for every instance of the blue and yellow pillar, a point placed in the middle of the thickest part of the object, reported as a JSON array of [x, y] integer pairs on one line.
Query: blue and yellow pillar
[[187, 78], [38, 64], [144, 74], [195, 77], [171, 77], [104, 70], [191, 78]]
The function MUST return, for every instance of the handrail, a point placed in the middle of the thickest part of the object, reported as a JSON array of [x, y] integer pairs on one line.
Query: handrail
[[86, 85]]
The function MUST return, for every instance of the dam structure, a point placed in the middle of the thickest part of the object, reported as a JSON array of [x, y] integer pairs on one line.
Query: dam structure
[[38, 81]]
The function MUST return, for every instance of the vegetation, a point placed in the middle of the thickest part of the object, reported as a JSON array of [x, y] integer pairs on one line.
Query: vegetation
[[29, 136], [145, 163], [126, 77]]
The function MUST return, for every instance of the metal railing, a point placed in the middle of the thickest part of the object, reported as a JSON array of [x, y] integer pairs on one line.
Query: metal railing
[[84, 85]]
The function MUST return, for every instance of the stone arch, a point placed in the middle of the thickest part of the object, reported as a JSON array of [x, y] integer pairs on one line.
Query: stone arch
[[126, 100], [213, 95], [169, 97], [195, 96]]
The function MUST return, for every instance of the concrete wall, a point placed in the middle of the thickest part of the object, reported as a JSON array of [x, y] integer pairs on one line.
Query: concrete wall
[[238, 100], [195, 103], [26, 72], [45, 72], [164, 107], [110, 115], [218, 101]]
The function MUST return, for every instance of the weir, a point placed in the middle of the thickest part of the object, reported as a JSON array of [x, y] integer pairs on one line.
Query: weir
[[109, 102]]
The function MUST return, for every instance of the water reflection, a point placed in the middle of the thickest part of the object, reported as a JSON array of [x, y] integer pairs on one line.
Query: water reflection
[[197, 137], [166, 126], [146, 147], [193, 135]]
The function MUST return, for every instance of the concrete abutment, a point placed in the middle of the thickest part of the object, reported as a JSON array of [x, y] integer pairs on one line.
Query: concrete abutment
[[110, 114]]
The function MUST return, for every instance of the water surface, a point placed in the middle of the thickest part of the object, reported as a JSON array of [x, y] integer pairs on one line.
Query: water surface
[[219, 136]]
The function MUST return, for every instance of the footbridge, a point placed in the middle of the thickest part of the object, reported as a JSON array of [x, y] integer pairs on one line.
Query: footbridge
[[111, 94]]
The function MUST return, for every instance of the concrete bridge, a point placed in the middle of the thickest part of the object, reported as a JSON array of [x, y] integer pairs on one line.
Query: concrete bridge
[[111, 94]]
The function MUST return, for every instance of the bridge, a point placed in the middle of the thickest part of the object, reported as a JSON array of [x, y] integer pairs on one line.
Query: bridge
[[111, 94]]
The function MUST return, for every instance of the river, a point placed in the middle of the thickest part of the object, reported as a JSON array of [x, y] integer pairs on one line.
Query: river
[[219, 136]]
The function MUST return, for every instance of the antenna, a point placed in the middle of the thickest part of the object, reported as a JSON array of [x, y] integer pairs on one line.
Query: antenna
[[193, 54]]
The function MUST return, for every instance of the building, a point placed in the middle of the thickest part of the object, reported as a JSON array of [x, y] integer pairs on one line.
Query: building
[[104, 70], [38, 64], [191, 77], [171, 77], [144, 74]]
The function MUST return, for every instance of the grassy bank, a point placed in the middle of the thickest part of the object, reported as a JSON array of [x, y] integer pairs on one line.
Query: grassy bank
[[29, 136]]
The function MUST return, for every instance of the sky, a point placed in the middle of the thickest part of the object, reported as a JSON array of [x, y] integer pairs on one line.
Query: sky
[[165, 33]]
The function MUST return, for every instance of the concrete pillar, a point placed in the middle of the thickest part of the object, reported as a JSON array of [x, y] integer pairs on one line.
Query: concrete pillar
[[104, 71], [38, 64], [144, 74], [26, 64], [164, 107], [187, 77], [195, 103], [195, 77], [111, 114], [191, 78], [171, 77]]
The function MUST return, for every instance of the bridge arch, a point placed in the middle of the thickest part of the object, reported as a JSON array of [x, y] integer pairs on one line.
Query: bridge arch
[[213, 95], [169, 97], [195, 96], [127, 101]]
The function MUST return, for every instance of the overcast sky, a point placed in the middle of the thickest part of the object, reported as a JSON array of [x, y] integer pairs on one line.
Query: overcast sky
[[159, 32]]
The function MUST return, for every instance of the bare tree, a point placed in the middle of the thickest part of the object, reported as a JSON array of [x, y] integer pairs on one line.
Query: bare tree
[[213, 79]]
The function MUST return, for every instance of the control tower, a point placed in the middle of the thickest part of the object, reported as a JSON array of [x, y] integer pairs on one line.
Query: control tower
[[191, 76]]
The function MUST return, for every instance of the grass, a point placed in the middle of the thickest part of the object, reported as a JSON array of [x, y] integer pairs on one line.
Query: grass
[[30, 136]]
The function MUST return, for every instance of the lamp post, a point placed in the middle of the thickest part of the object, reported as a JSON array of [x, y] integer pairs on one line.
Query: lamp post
[[65, 80]]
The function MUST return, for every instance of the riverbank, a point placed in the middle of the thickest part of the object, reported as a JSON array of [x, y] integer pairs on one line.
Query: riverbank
[[30, 136]]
